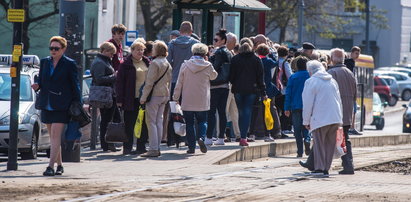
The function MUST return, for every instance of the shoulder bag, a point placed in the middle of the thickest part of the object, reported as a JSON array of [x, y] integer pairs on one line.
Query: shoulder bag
[[150, 94], [77, 113], [101, 96], [116, 132]]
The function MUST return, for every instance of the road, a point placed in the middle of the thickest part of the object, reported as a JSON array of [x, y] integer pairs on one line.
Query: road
[[393, 120]]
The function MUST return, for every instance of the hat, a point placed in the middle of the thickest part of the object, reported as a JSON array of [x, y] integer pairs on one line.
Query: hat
[[175, 33], [308, 46]]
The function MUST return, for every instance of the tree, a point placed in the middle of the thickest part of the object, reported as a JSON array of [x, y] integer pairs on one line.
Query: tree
[[33, 17], [155, 14]]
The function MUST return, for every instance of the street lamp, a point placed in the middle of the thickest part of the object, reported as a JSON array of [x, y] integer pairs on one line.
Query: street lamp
[[300, 21]]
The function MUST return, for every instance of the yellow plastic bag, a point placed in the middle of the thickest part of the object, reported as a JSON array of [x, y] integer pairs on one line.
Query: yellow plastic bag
[[139, 123], [268, 118]]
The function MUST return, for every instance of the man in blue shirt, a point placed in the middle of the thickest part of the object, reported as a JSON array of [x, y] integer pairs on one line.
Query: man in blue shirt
[[294, 104]]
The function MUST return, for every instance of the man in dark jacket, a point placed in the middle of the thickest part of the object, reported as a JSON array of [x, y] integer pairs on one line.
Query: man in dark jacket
[[118, 31]]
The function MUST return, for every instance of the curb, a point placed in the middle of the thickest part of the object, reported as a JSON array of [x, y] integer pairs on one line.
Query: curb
[[289, 147], [394, 110]]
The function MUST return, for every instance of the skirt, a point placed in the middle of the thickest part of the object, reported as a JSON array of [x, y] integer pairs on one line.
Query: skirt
[[49, 117]]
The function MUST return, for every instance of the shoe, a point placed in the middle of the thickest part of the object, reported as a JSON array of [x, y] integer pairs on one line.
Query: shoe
[[228, 140], [49, 172], [208, 141], [299, 155], [243, 142], [237, 139], [251, 138], [283, 135], [138, 152], [305, 165], [326, 174], [353, 131], [112, 148], [214, 139], [151, 153], [269, 139], [288, 131], [60, 170], [307, 148], [190, 151], [203, 147], [220, 141], [126, 152], [346, 172], [317, 172]]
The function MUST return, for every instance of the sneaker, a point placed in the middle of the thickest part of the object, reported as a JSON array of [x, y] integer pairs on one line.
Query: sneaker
[[214, 139], [151, 153], [326, 174], [251, 138], [243, 142], [237, 139], [203, 147], [60, 170], [220, 141], [299, 155], [353, 131], [227, 140], [288, 131], [208, 141], [269, 139], [49, 172]]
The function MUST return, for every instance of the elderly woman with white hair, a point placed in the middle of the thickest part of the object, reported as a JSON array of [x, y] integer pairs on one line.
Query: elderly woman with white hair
[[193, 85], [322, 114]]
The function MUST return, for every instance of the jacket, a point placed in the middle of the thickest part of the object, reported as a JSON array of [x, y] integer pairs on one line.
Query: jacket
[[321, 101], [269, 65], [348, 90], [247, 74], [102, 72], [118, 57], [294, 90], [62, 87], [221, 56], [193, 84], [126, 83], [157, 68], [179, 50]]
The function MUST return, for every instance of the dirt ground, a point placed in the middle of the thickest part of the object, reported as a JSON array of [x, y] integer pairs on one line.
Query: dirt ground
[[399, 166]]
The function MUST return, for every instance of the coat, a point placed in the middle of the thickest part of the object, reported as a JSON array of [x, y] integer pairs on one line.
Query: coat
[[321, 101], [221, 56], [348, 90], [126, 83], [294, 90], [62, 87], [269, 65], [247, 74], [157, 68], [102, 72], [193, 85]]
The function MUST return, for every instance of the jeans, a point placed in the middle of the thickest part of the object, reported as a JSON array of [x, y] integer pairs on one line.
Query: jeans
[[218, 102], [201, 127], [300, 131], [245, 104]]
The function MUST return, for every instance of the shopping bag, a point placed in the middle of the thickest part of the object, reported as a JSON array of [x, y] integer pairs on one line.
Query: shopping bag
[[268, 118], [340, 148], [73, 131], [139, 123], [178, 120]]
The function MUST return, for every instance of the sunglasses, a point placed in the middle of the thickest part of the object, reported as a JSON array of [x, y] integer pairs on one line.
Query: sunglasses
[[54, 48], [216, 40]]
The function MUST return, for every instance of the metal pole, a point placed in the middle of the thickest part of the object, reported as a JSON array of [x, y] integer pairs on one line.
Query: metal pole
[[362, 108], [300, 21], [367, 27], [94, 128], [15, 93]]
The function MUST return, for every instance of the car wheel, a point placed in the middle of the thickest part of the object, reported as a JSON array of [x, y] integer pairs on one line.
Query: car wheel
[[32, 153], [383, 98], [380, 124], [393, 101], [406, 95]]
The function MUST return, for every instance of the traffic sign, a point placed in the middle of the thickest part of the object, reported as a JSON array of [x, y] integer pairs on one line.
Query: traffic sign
[[16, 15], [131, 36]]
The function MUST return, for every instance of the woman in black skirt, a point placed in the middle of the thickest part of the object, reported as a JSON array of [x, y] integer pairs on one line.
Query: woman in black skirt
[[59, 87]]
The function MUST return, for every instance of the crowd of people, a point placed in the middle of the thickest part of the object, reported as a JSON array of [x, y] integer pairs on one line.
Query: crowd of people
[[217, 86]]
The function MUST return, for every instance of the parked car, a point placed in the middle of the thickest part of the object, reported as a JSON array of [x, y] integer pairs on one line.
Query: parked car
[[382, 88], [396, 69], [395, 90], [32, 134], [378, 112], [406, 119], [403, 80]]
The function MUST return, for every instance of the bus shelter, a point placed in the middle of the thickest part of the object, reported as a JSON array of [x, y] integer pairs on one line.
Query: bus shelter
[[205, 12]]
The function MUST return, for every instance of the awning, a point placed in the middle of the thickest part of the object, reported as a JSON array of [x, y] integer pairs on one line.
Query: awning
[[222, 5]]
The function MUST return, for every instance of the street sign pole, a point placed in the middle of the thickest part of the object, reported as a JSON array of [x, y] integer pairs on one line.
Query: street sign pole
[[16, 16]]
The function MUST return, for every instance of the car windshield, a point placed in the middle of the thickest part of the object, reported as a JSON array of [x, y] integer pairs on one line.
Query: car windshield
[[376, 100], [5, 87]]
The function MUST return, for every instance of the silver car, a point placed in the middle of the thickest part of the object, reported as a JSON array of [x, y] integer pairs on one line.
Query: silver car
[[396, 69], [32, 135], [403, 80], [395, 90]]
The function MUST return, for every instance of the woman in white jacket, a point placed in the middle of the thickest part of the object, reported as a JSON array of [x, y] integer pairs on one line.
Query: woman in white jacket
[[322, 114]]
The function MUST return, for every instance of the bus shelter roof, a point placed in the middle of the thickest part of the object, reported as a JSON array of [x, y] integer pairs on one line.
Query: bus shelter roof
[[222, 5]]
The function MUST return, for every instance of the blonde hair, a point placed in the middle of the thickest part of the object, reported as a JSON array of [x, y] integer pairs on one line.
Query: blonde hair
[[61, 40], [108, 46], [137, 44], [141, 39], [199, 49], [160, 49]]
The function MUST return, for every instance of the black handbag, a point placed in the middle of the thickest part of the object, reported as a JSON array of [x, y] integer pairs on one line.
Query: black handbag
[[101, 96], [77, 113], [116, 132]]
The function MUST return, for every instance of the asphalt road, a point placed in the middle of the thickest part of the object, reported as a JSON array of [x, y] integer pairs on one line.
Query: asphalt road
[[393, 120]]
